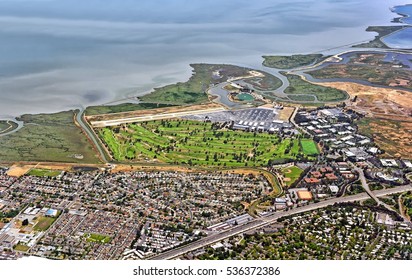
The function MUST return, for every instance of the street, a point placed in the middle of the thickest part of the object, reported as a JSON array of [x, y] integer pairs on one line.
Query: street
[[263, 221]]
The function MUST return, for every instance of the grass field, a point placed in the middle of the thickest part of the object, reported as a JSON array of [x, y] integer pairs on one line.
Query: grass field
[[197, 143], [323, 94], [309, 147], [291, 174], [94, 237], [44, 223], [44, 173], [52, 137], [21, 247], [126, 107], [290, 62]]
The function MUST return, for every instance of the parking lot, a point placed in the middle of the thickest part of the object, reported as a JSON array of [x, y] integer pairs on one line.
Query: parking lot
[[262, 119]]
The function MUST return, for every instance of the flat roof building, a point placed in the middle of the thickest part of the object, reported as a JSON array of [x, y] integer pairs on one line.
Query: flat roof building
[[304, 195]]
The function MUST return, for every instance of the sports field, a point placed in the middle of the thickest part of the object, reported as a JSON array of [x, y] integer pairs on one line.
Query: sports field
[[44, 173], [291, 174], [197, 143], [309, 147], [44, 223]]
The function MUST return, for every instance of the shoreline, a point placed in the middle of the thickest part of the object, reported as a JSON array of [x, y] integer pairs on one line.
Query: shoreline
[[135, 100], [134, 97], [403, 16], [393, 33]]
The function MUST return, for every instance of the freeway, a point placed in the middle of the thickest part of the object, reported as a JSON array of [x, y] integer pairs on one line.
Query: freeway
[[365, 186], [267, 220]]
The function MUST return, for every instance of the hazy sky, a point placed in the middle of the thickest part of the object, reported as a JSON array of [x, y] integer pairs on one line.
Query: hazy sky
[[58, 54]]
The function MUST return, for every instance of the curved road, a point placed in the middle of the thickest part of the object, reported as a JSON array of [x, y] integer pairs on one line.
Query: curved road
[[86, 128], [20, 125]]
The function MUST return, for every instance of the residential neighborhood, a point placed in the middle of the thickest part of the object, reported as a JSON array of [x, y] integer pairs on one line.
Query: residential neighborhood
[[100, 213]]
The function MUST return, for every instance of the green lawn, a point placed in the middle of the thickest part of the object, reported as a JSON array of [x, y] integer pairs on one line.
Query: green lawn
[[44, 223], [292, 174], [94, 237], [197, 143], [309, 147], [44, 173], [21, 247]]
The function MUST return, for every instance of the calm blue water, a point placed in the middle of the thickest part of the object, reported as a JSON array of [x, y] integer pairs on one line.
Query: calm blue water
[[405, 10], [403, 38], [60, 54]]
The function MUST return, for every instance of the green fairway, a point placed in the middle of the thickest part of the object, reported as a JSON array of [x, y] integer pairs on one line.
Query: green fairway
[[309, 147], [44, 223], [291, 174], [94, 237], [44, 173], [197, 143]]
